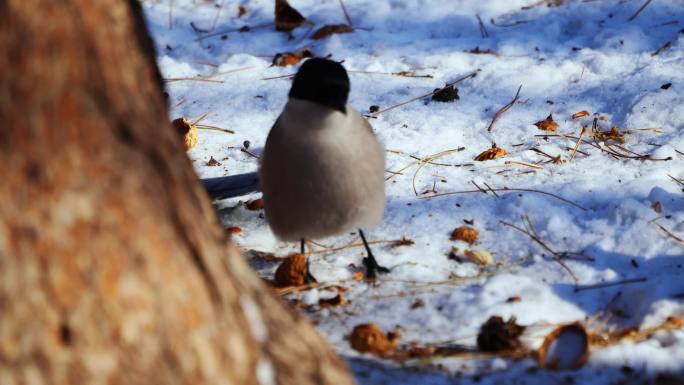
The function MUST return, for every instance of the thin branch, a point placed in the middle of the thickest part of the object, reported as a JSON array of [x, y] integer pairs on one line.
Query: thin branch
[[524, 164], [532, 233], [216, 17], [483, 30], [214, 128], [505, 189], [471, 75], [577, 144], [609, 284], [634, 16], [667, 231], [503, 109], [346, 14]]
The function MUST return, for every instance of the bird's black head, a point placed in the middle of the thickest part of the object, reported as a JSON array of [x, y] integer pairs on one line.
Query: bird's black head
[[322, 81]]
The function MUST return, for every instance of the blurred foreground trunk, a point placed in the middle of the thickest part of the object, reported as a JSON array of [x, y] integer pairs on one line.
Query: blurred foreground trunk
[[113, 267]]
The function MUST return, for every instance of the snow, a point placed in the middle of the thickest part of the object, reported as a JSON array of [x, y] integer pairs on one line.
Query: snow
[[583, 55]]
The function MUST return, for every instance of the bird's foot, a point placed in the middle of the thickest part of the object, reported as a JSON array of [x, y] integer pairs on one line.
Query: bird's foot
[[373, 268]]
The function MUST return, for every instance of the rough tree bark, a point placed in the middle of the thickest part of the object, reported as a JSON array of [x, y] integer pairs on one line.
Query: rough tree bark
[[113, 267]]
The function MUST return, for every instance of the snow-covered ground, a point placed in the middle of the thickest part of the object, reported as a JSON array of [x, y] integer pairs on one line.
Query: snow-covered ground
[[582, 55]]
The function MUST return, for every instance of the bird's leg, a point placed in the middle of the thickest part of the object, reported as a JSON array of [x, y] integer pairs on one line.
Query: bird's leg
[[309, 278], [372, 266]]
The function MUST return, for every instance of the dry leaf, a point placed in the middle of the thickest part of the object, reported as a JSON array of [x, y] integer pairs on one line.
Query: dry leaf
[[580, 114], [547, 124], [286, 17], [515, 298], [492, 153], [337, 300], [234, 230], [404, 241], [242, 11], [566, 347], [358, 276], [255, 204], [213, 162], [187, 130], [328, 30], [604, 136], [291, 58], [496, 335], [292, 271], [465, 234], [479, 256], [657, 207], [369, 338]]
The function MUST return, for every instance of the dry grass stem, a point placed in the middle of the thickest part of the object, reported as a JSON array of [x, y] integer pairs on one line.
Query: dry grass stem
[[503, 109]]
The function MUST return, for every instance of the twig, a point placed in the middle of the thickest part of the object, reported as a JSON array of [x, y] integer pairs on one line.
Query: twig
[[354, 244], [679, 182], [296, 289], [504, 109], [478, 187], [609, 284], [510, 190], [171, 14], [216, 17], [406, 74], [577, 144], [513, 24], [288, 76], [666, 231], [667, 44], [195, 79], [532, 233], [491, 189], [241, 29], [214, 128], [426, 160], [483, 30], [346, 15], [209, 78], [471, 75], [525, 164], [634, 16]]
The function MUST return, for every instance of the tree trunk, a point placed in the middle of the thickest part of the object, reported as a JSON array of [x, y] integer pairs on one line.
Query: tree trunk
[[113, 266]]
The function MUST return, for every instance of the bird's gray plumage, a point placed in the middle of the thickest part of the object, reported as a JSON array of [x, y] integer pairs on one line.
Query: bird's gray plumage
[[322, 172]]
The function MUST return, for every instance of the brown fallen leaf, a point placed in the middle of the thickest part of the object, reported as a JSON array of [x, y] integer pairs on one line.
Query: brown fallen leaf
[[404, 241], [292, 271], [331, 29], [465, 234], [547, 124], [612, 134], [492, 153], [286, 17], [234, 230], [580, 114], [657, 207], [187, 130], [285, 59], [337, 300], [497, 335], [213, 162], [242, 11], [255, 204], [369, 338]]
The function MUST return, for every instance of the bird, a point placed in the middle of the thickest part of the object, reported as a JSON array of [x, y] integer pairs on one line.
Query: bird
[[322, 167]]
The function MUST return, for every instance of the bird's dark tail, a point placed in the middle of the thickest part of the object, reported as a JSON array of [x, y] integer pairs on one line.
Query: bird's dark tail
[[232, 186]]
